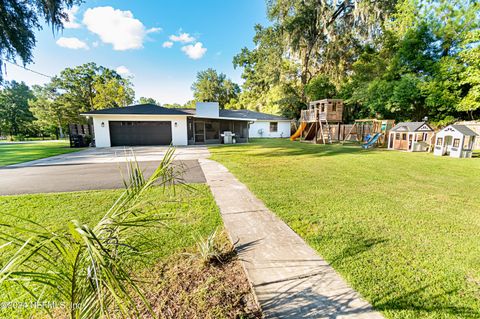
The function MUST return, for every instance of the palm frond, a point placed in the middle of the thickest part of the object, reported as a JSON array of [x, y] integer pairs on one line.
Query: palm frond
[[88, 266]]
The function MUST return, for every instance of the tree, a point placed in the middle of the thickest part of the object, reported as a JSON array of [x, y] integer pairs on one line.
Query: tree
[[470, 76], [52, 112], [19, 20], [322, 42], [15, 115], [112, 92], [211, 86], [320, 88], [147, 100], [82, 84]]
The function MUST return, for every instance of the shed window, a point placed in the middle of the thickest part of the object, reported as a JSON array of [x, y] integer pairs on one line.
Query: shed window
[[456, 142], [439, 141], [334, 107], [397, 136], [404, 136], [273, 126]]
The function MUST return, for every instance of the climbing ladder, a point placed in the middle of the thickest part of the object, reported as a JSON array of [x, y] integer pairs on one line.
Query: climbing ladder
[[325, 130]]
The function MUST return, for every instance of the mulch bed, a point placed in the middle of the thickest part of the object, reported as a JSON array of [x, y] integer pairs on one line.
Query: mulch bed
[[185, 287]]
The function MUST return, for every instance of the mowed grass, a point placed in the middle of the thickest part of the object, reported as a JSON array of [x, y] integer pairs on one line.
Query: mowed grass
[[402, 228], [12, 153], [190, 213]]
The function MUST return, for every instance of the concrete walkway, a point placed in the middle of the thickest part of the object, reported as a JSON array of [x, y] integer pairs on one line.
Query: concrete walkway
[[289, 278]]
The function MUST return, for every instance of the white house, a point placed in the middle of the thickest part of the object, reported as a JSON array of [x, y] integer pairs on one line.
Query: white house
[[410, 136], [455, 141], [149, 124]]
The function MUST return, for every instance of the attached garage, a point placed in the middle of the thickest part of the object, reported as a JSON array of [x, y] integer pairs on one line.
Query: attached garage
[[137, 133]]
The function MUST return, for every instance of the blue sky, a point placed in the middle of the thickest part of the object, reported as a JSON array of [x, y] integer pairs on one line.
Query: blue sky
[[160, 44]]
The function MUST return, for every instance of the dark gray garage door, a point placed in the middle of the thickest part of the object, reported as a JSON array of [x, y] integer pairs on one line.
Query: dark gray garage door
[[132, 133]]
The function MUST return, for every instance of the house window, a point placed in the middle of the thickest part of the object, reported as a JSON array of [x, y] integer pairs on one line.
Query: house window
[[456, 142], [273, 126], [439, 141]]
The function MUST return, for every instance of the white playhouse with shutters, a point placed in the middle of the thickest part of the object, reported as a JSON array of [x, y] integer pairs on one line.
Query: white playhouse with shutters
[[455, 141]]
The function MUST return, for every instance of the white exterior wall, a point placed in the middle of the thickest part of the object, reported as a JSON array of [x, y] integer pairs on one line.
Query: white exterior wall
[[102, 134], [442, 149], [283, 129]]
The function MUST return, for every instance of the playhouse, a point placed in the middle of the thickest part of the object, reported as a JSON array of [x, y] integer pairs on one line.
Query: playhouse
[[455, 141], [410, 136]]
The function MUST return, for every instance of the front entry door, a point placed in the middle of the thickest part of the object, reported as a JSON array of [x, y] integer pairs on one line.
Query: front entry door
[[199, 132]]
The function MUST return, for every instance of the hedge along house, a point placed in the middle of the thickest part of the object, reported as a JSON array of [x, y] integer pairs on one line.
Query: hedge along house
[[410, 136], [149, 124], [455, 141]]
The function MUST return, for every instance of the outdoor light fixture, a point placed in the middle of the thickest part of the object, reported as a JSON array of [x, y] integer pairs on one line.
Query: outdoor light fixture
[[103, 124], [176, 124]]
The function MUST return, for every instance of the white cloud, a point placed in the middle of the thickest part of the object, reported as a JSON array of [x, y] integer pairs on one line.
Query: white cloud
[[71, 23], [123, 70], [167, 44], [182, 37], [95, 44], [72, 43], [196, 51], [153, 30], [116, 27]]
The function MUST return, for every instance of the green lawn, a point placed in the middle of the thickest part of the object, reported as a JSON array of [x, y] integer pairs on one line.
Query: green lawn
[[402, 228], [191, 212], [12, 153]]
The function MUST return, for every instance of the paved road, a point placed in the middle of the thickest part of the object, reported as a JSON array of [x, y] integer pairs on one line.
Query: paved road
[[78, 177], [120, 154]]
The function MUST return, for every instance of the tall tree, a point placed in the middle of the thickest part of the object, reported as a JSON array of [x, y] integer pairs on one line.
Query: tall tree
[[81, 89], [113, 92], [15, 115], [20, 19], [211, 86], [52, 112], [82, 84]]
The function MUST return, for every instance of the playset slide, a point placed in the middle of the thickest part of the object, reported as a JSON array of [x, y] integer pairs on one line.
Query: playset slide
[[299, 131], [372, 141]]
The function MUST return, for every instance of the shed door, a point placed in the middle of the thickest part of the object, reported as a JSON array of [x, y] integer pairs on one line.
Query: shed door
[[133, 133]]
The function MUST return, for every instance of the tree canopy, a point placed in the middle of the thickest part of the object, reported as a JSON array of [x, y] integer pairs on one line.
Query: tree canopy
[[15, 116], [211, 86], [403, 59], [20, 19]]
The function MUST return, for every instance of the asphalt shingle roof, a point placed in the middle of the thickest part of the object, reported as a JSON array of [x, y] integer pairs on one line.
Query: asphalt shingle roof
[[139, 109], [152, 109], [243, 114], [247, 114], [409, 126], [464, 130]]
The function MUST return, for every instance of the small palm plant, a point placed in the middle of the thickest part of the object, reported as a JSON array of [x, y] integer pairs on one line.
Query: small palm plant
[[82, 267]]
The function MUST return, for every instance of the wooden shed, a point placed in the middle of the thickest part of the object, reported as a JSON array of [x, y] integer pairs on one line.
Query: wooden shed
[[410, 136]]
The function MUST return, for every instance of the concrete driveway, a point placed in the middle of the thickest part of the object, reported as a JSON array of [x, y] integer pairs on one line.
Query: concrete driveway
[[96, 168]]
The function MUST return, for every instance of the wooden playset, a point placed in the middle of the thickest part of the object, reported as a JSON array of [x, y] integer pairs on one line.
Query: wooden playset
[[322, 123], [316, 121]]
